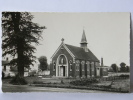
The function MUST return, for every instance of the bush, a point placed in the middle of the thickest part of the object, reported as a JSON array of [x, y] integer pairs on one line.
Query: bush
[[84, 82], [122, 75], [37, 82]]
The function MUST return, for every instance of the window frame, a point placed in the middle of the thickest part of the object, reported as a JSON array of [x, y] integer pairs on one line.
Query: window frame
[[88, 66], [77, 65], [92, 66], [83, 65]]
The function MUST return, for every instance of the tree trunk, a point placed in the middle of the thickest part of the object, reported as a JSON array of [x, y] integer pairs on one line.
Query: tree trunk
[[19, 79]]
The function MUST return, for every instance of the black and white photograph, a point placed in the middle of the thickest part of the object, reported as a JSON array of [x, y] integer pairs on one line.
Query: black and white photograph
[[87, 52]]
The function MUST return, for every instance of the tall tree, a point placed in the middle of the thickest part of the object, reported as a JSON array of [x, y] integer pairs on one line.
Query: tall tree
[[18, 34], [123, 67], [114, 67], [43, 63]]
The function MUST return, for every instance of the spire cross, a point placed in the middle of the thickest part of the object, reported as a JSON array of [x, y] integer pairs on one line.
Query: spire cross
[[62, 39]]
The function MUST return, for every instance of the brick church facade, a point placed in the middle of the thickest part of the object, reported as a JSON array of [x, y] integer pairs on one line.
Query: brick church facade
[[77, 62]]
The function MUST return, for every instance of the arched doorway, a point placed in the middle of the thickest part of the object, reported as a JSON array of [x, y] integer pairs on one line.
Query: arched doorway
[[62, 66]]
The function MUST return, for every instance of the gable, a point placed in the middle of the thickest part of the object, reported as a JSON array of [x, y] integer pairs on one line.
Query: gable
[[63, 46]]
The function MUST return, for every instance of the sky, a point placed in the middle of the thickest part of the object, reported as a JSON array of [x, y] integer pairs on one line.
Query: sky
[[108, 34]]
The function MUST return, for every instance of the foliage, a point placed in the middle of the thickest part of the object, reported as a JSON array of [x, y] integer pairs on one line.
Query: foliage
[[114, 67], [122, 75], [123, 67], [43, 63], [127, 68], [84, 82], [12, 68], [18, 33]]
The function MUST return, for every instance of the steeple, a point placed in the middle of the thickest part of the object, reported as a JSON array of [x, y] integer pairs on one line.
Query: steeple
[[83, 42]]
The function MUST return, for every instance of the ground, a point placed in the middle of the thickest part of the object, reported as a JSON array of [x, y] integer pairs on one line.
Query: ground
[[6, 87], [26, 88]]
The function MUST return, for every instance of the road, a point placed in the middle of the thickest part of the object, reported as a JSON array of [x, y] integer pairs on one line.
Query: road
[[27, 88]]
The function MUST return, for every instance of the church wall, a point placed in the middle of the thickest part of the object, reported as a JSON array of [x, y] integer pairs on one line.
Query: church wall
[[94, 68], [85, 73], [51, 69], [63, 51], [72, 73]]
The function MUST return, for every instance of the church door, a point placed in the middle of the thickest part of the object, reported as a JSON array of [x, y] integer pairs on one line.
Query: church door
[[62, 71]]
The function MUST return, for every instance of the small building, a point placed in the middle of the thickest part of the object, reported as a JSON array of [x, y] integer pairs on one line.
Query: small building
[[10, 71], [6, 69], [73, 61], [104, 69]]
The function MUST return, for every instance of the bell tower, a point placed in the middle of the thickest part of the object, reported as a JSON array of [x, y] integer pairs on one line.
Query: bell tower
[[83, 42]]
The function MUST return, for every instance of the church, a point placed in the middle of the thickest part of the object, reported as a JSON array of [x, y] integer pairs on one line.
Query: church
[[76, 62]]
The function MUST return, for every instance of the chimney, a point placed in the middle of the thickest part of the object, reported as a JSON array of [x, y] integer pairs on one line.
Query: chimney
[[101, 62]]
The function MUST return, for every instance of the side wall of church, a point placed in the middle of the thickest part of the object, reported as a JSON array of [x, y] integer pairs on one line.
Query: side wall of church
[[85, 69]]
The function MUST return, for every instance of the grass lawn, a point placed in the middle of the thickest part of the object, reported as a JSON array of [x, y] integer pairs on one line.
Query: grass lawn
[[47, 80], [123, 84]]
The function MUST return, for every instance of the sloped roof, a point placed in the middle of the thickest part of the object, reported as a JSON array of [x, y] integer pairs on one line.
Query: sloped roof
[[81, 54]]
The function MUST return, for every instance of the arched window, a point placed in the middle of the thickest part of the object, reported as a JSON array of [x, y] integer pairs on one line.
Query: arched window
[[77, 65], [83, 65], [62, 60], [92, 66], [88, 65]]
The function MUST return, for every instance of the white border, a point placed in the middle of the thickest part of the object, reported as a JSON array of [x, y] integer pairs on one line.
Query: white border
[[67, 6]]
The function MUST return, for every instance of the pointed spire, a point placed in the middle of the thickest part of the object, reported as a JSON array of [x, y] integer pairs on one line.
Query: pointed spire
[[83, 40]]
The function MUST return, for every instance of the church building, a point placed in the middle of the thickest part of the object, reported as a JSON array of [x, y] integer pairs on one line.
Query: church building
[[76, 62]]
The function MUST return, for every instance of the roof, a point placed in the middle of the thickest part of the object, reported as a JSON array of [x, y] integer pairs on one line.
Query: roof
[[5, 62], [80, 53]]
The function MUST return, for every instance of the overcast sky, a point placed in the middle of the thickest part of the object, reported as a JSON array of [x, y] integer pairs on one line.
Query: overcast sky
[[107, 34]]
